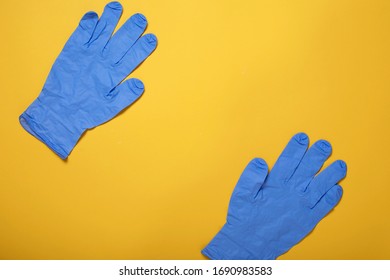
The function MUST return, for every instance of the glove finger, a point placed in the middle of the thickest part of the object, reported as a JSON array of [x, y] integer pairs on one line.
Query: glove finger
[[138, 53], [84, 30], [311, 163], [126, 93], [327, 202], [326, 180], [290, 158], [106, 25], [252, 178], [125, 37]]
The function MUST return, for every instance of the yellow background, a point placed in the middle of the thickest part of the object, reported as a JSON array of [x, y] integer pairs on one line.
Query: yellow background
[[229, 81]]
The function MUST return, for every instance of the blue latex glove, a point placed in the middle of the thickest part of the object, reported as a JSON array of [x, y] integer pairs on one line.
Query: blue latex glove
[[270, 214], [84, 88]]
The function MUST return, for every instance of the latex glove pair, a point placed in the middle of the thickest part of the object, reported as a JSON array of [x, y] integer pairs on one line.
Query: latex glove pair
[[268, 214]]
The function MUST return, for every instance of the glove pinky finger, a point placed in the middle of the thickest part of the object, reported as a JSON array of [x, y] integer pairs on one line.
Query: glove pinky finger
[[84, 30], [328, 201]]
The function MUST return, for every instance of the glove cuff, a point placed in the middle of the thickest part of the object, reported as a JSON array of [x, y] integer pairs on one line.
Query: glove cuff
[[56, 132], [224, 247]]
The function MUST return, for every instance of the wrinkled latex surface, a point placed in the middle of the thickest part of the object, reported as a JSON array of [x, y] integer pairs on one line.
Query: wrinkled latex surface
[[270, 213], [84, 88]]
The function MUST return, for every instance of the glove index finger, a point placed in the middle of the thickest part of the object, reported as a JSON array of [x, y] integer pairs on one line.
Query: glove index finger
[[290, 158], [136, 55]]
